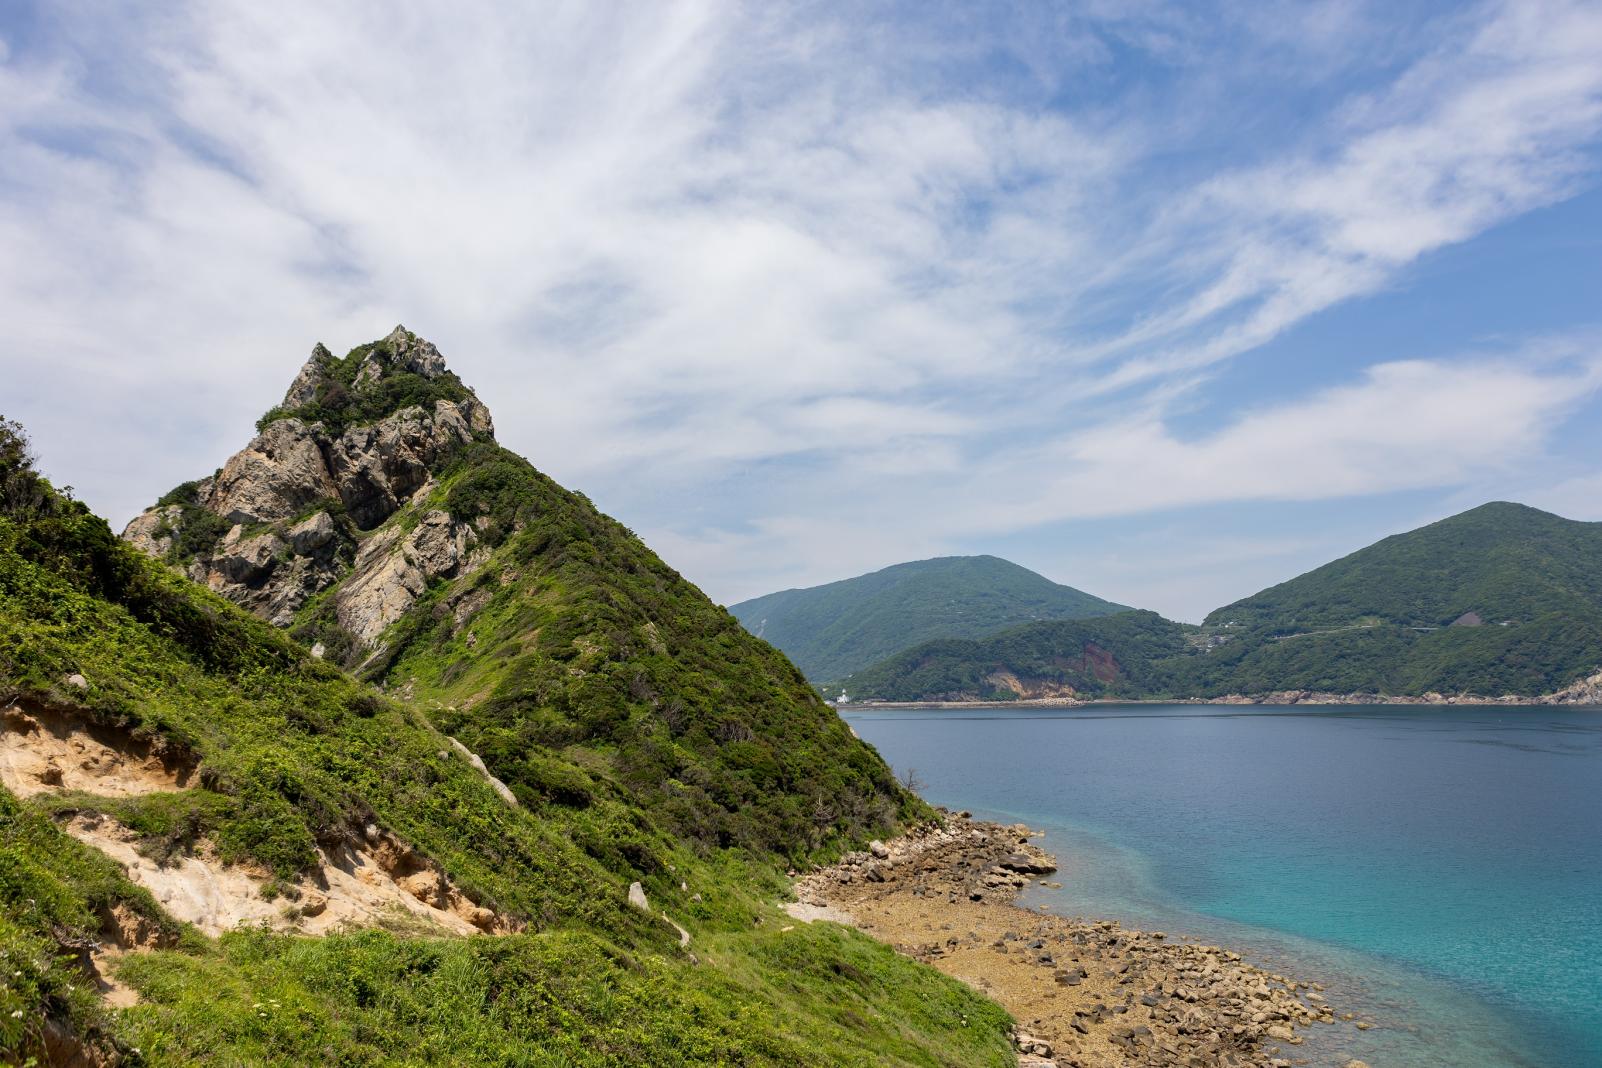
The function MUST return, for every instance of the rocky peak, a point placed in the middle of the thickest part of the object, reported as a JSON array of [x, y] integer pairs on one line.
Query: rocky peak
[[314, 374], [355, 441], [409, 352]]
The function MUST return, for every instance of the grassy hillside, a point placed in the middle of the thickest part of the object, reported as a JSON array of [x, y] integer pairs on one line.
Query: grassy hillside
[[582, 641], [292, 755], [1378, 621], [832, 630]]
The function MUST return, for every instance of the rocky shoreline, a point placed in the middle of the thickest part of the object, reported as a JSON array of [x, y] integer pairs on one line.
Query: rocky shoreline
[[1587, 691], [1085, 994], [1584, 693]]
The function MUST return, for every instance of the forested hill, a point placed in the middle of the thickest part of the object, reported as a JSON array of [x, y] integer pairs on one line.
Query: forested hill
[[832, 630], [1500, 562], [1130, 654], [1503, 599]]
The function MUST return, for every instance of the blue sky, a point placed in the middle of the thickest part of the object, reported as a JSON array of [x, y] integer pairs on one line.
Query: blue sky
[[1169, 302]]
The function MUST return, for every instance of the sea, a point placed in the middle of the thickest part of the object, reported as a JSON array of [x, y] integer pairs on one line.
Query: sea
[[1439, 870]]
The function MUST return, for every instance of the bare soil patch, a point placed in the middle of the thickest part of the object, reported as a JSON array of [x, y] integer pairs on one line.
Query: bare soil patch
[[43, 750]]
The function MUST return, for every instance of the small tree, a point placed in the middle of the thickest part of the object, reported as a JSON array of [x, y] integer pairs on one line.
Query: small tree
[[22, 491]]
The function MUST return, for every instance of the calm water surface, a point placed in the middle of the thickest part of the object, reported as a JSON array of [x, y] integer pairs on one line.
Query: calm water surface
[[1440, 870]]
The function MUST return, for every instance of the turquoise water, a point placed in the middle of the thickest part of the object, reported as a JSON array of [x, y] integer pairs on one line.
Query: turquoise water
[[1440, 870]]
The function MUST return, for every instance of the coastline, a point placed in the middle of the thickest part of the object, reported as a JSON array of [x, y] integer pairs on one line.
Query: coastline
[[1084, 993], [1583, 693]]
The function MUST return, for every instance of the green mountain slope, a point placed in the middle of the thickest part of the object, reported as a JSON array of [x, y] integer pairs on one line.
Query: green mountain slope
[[1123, 655], [1499, 599], [832, 630], [1502, 599], [376, 519], [274, 765], [1503, 562]]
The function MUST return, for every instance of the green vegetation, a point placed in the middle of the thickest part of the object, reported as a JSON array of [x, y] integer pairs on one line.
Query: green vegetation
[[341, 401], [293, 755], [196, 530], [1378, 621], [1505, 562], [833, 630], [1123, 655], [808, 996], [583, 642]]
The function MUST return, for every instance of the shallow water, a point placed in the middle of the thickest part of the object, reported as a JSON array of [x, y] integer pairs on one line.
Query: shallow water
[[1440, 870]]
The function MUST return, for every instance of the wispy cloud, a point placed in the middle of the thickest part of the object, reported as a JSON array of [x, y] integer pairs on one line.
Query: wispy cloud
[[1403, 425], [795, 265]]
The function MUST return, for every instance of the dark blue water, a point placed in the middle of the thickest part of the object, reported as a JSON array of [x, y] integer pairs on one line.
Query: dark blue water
[[1439, 869]]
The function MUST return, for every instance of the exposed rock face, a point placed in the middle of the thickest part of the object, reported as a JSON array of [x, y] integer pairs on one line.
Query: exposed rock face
[[1587, 691], [273, 575], [392, 570], [1031, 689], [300, 495], [151, 532], [303, 390], [374, 468], [274, 477]]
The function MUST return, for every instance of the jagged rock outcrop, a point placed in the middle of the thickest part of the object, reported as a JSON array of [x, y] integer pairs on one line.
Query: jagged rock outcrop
[[374, 468], [151, 532], [393, 568], [276, 476], [307, 505]]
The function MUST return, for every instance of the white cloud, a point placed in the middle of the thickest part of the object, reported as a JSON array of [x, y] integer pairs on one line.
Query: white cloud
[[1579, 497], [1404, 425], [793, 267]]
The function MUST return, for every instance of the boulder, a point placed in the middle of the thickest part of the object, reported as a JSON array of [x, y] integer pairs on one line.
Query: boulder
[[245, 561]]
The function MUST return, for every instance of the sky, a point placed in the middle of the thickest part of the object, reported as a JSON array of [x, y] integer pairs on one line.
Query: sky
[[1169, 302]]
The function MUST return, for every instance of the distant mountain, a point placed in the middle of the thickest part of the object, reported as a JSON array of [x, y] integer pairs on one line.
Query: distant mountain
[[1500, 561], [832, 630], [1502, 599], [1130, 654]]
